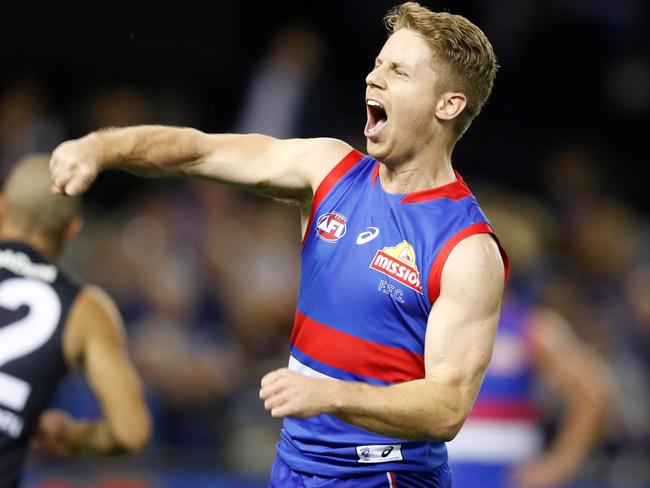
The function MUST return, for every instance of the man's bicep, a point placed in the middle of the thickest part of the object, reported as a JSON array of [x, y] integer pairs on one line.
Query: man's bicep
[[463, 320], [283, 168]]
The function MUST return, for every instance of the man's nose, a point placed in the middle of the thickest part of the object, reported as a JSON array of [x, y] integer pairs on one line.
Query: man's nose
[[375, 79]]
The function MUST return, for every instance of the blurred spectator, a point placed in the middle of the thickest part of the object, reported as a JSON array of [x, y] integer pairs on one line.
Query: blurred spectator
[[116, 106], [27, 125], [290, 94], [187, 357]]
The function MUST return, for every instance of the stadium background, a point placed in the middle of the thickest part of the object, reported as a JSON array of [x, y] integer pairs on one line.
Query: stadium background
[[206, 277]]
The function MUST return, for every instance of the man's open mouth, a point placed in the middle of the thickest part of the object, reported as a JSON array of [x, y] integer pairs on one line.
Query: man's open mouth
[[377, 117]]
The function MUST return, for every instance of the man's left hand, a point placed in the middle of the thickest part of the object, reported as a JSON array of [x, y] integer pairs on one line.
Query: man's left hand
[[546, 472]]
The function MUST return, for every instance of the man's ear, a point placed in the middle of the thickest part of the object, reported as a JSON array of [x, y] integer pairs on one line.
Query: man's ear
[[72, 229], [450, 105]]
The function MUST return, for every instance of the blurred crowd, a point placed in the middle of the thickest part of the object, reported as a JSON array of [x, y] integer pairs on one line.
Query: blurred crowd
[[206, 277]]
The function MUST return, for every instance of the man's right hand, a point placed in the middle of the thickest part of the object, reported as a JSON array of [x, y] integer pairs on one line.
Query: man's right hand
[[75, 164], [53, 433]]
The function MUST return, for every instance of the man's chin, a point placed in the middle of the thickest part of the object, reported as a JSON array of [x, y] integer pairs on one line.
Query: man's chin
[[376, 149]]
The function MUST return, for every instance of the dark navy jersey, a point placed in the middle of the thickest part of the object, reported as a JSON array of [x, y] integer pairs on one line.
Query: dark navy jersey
[[35, 298], [371, 267]]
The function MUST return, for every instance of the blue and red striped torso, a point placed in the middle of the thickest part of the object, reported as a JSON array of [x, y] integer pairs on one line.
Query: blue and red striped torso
[[371, 265]]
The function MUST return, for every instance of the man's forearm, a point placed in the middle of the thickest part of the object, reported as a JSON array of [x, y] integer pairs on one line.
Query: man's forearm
[[149, 150], [582, 422], [415, 410]]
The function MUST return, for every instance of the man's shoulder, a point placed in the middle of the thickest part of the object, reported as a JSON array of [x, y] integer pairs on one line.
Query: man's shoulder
[[477, 256], [94, 300], [326, 154], [93, 315]]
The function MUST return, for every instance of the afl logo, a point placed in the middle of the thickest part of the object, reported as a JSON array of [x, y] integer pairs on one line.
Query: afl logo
[[331, 226]]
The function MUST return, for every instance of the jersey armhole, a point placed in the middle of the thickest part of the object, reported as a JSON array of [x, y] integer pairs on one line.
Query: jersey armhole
[[433, 283], [325, 186]]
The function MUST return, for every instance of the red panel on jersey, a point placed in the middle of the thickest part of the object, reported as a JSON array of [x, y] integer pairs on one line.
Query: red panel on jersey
[[436, 269], [375, 174], [353, 354]]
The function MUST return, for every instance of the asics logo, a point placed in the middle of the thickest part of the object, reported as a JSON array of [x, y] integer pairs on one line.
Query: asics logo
[[379, 453], [367, 235], [387, 451]]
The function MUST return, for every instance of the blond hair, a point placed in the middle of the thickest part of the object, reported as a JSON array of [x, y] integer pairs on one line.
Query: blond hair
[[459, 45]]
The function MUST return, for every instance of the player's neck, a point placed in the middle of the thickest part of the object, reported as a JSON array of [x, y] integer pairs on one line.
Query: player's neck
[[425, 171], [42, 245]]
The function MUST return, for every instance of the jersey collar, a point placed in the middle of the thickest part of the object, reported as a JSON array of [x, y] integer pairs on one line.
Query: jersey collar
[[454, 191]]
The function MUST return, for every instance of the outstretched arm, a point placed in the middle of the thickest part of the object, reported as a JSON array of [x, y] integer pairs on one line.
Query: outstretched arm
[[94, 339], [289, 168], [460, 335]]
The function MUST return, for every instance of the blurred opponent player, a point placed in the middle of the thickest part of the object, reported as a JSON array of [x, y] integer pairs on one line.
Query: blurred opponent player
[[401, 278], [49, 324]]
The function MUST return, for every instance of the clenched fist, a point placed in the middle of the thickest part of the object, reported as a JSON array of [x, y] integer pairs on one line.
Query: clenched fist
[[290, 394], [75, 164]]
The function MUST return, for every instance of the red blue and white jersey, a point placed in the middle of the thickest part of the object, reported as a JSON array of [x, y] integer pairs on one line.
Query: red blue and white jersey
[[504, 426], [371, 266]]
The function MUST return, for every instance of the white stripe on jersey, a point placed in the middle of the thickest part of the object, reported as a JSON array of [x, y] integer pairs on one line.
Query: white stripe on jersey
[[298, 367], [499, 441]]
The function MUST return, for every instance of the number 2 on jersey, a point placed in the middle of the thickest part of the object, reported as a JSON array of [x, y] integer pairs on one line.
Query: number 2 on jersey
[[25, 335]]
